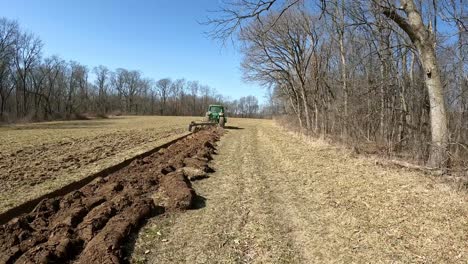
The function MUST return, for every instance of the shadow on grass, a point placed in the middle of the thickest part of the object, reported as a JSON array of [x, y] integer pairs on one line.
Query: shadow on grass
[[232, 127], [199, 202], [128, 245]]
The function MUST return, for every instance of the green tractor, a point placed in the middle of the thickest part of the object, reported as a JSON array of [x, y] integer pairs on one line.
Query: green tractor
[[214, 116]]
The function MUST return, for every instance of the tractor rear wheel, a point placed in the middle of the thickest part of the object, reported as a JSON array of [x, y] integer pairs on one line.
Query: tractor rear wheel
[[221, 122]]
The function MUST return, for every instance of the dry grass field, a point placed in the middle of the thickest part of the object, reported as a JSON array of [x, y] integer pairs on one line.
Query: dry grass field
[[41, 157]]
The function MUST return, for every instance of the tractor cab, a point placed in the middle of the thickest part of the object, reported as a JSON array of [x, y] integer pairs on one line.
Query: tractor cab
[[215, 112], [216, 115], [216, 108]]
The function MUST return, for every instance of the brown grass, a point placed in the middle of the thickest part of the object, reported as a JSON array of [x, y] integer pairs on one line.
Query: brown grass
[[455, 175], [374, 213]]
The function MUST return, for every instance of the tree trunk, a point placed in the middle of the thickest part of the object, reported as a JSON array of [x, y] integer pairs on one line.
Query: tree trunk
[[296, 108], [2, 108], [305, 102], [462, 86], [439, 131], [424, 40], [316, 117], [402, 127], [345, 85], [382, 103]]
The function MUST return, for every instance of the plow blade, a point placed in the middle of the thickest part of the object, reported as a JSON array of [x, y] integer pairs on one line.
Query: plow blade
[[196, 124]]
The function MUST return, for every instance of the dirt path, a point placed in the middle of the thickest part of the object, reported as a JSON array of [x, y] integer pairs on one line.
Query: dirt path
[[278, 199]]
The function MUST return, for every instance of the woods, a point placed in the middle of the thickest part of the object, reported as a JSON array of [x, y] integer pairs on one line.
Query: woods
[[33, 88], [387, 74]]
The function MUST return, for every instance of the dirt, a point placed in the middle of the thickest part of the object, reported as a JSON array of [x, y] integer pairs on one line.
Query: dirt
[[38, 158], [279, 198], [91, 225], [36, 164]]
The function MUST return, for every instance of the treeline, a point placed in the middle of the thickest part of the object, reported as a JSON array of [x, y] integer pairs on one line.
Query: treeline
[[363, 72], [33, 88], [247, 106]]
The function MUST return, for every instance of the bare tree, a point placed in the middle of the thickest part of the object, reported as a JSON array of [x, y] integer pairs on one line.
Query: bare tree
[[27, 55], [282, 55], [8, 36], [102, 82], [163, 87]]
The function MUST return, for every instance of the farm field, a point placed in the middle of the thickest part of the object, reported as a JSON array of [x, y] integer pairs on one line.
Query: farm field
[[40, 157], [250, 193]]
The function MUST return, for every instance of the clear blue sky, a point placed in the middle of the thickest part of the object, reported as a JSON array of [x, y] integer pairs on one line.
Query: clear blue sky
[[161, 38]]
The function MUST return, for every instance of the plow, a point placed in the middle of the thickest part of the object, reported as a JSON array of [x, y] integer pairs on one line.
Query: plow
[[215, 116]]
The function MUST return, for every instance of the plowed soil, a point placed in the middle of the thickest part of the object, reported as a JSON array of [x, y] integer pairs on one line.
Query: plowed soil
[[90, 225], [38, 158]]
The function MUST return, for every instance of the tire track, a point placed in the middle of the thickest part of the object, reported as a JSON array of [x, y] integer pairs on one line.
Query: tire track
[[238, 224]]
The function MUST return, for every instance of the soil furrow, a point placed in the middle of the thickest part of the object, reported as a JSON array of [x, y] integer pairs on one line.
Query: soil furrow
[[91, 224]]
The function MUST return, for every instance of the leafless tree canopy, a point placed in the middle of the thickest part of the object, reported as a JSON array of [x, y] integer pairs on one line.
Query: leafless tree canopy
[[388, 74]]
